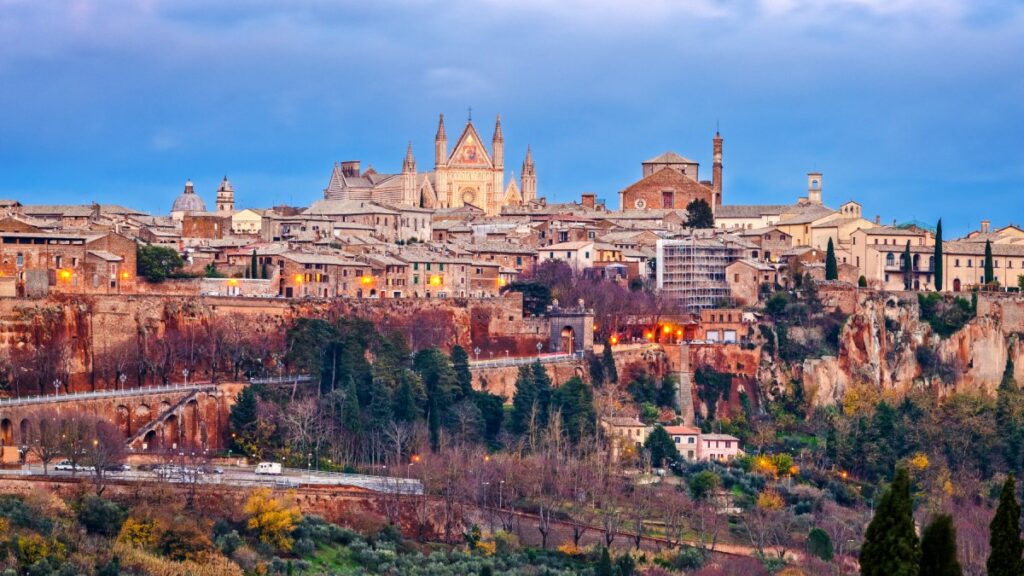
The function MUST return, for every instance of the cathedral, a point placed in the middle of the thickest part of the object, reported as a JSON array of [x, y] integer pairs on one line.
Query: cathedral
[[469, 176]]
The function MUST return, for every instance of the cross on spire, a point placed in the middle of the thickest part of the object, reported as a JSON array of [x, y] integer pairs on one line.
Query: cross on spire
[[470, 114]]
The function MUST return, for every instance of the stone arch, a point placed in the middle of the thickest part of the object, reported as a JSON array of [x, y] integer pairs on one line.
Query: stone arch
[[171, 432], [190, 423], [579, 372], [568, 339], [142, 415], [956, 285], [6, 432], [123, 419], [23, 430], [149, 441]]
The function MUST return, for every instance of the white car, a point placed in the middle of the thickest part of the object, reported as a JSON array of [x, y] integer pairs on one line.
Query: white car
[[68, 466], [271, 468]]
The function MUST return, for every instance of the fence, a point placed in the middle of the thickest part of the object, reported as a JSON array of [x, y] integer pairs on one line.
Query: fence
[[100, 394]]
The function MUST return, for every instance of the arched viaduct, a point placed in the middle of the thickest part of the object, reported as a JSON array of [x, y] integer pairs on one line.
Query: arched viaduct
[[151, 419]]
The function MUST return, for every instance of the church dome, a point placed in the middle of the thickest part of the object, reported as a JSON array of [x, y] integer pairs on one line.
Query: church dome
[[188, 201]]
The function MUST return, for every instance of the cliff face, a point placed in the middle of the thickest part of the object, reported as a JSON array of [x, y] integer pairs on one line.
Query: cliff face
[[885, 347]]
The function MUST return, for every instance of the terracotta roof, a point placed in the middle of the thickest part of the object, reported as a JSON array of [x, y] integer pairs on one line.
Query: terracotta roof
[[684, 184], [751, 210], [682, 430]]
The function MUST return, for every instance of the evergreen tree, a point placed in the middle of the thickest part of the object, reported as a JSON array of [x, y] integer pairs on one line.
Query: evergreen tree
[[667, 393], [938, 256], [575, 401], [820, 544], [990, 274], [1010, 418], [626, 565], [699, 214], [596, 365], [908, 268], [661, 447], [611, 374], [938, 548], [604, 564], [254, 269], [890, 545], [492, 412], [1007, 551], [404, 402], [831, 267], [351, 414], [460, 362], [380, 412], [244, 412], [532, 397], [434, 423]]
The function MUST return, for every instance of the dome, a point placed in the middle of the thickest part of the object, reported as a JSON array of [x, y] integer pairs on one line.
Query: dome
[[189, 201]]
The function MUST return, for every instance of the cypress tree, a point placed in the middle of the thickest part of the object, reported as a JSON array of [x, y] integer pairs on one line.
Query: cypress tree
[[404, 402], [990, 274], [938, 548], [908, 268], [523, 400], [244, 412], [831, 267], [254, 271], [596, 371], [890, 545], [1007, 555], [604, 564], [460, 362], [938, 256], [1009, 412], [351, 414], [611, 374]]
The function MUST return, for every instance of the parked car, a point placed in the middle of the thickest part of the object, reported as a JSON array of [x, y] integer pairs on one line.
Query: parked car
[[117, 468], [211, 470], [68, 466]]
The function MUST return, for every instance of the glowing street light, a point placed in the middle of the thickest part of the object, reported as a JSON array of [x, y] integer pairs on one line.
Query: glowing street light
[[435, 281]]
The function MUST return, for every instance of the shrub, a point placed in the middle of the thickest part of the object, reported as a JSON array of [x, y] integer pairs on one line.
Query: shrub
[[100, 516]]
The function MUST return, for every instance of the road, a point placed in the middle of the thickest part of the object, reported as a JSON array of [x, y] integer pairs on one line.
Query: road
[[244, 476]]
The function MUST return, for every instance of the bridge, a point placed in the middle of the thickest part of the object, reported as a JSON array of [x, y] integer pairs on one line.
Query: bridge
[[153, 418]]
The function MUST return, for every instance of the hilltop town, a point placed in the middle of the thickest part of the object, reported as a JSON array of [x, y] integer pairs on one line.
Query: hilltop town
[[445, 357]]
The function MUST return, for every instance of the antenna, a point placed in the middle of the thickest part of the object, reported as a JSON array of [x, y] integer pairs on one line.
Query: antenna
[[470, 114]]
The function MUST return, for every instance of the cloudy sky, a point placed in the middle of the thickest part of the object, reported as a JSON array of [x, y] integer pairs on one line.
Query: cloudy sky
[[913, 107]]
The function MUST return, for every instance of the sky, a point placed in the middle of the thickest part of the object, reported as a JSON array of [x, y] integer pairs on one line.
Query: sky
[[914, 108]]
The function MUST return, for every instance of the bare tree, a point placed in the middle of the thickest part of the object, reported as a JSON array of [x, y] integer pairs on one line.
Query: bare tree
[[44, 441], [104, 452]]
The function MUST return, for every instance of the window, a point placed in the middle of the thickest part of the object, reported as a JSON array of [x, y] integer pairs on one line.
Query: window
[[956, 263], [968, 262], [890, 260], [519, 260], [667, 199], [586, 254]]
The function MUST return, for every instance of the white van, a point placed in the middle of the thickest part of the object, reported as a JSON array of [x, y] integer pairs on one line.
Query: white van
[[272, 468]]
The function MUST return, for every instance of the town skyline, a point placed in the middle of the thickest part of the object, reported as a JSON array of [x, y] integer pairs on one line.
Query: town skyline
[[267, 98]]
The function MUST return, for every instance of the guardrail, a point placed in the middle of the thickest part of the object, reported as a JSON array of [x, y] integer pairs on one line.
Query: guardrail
[[522, 360], [281, 379], [99, 394]]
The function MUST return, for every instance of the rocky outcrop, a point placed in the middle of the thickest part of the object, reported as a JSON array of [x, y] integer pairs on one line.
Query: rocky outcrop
[[884, 345]]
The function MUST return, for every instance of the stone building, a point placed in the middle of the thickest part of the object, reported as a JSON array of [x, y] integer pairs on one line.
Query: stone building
[[469, 176], [187, 202], [671, 181]]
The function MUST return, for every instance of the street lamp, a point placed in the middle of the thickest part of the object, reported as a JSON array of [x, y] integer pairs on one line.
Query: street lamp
[[56, 387], [121, 379], [309, 467], [185, 374], [540, 346], [476, 352]]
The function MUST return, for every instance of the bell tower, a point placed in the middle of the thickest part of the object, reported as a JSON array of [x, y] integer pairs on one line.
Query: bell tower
[[441, 165], [814, 187], [529, 177], [225, 197]]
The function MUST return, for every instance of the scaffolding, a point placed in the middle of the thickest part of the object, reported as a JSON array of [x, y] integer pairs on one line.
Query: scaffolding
[[691, 270]]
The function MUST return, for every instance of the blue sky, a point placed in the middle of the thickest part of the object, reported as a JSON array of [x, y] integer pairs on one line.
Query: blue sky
[[913, 107]]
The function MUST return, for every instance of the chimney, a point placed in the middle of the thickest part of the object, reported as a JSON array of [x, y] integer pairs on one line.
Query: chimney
[[985, 226], [588, 200], [878, 219]]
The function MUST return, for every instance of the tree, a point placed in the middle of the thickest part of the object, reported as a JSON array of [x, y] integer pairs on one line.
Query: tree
[[938, 548], [404, 402], [1007, 551], [531, 400], [157, 263], [610, 372], [703, 485], [890, 545], [1010, 418], [596, 366], [105, 452], [604, 564], [661, 447], [699, 214], [460, 362], [819, 543], [990, 274], [667, 393], [536, 296], [44, 440], [908, 268], [243, 414], [271, 519], [831, 267], [211, 271], [254, 267], [938, 256], [575, 401]]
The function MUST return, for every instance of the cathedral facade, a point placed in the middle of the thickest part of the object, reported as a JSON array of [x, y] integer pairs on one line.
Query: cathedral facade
[[471, 175]]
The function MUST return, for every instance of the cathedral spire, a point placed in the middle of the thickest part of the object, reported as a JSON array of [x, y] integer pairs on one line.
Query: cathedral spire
[[440, 129], [498, 137], [409, 165]]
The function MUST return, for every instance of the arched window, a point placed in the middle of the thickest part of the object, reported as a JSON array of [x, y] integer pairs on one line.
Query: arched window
[[889, 259], [931, 262]]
